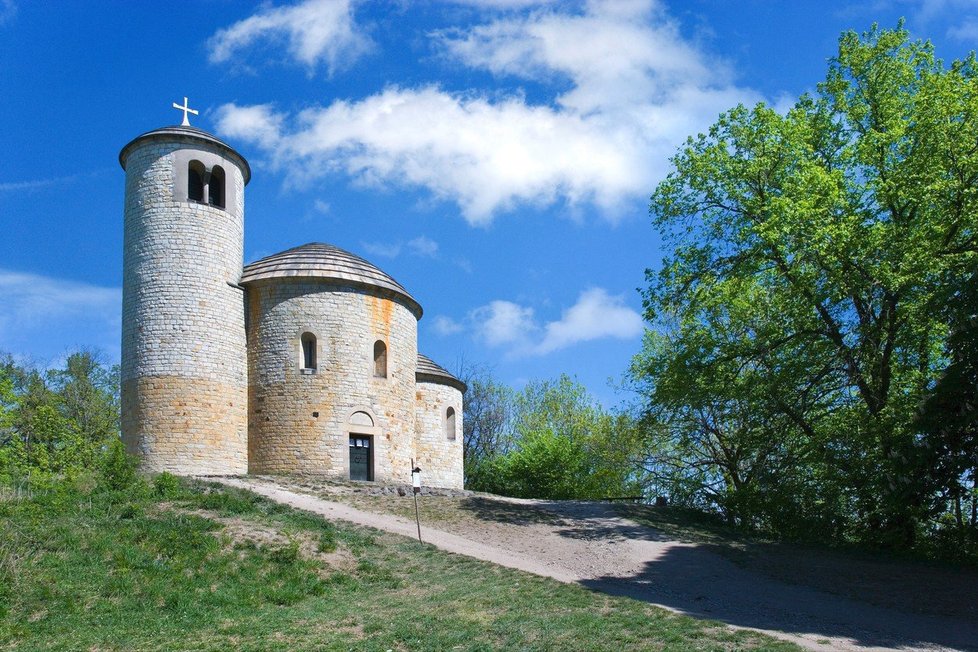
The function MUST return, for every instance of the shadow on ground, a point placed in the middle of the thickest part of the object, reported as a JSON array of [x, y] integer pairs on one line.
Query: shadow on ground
[[696, 580], [781, 587], [489, 509], [576, 520]]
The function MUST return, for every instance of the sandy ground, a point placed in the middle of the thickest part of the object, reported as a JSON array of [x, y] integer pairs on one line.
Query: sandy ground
[[588, 543]]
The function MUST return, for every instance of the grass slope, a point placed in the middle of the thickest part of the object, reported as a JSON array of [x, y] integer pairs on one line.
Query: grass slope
[[198, 567]]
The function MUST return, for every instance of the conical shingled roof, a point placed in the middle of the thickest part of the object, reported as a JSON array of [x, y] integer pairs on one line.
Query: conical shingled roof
[[329, 264], [430, 372], [191, 135]]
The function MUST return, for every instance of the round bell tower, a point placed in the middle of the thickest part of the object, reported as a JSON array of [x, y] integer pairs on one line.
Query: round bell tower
[[184, 362]]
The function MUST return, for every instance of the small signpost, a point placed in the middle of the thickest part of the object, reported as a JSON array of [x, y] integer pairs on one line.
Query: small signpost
[[416, 483]]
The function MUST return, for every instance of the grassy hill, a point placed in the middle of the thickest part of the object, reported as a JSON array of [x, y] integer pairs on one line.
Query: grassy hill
[[188, 566]]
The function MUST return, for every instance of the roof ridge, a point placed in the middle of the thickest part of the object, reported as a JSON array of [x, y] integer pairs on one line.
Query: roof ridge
[[327, 262], [428, 369]]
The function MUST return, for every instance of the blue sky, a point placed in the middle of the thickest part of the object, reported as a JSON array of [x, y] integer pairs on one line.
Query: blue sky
[[494, 157]]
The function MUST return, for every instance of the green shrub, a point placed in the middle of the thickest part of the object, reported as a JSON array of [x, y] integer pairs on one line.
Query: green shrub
[[118, 467], [287, 554], [327, 541], [229, 502], [166, 485], [130, 511]]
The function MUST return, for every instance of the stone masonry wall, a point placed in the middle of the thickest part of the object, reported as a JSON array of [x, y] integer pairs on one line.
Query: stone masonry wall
[[300, 422], [184, 373], [180, 425], [439, 457]]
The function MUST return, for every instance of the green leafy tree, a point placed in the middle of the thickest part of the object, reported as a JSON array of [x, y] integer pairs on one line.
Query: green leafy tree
[[8, 398], [8, 408], [88, 396], [722, 433], [811, 251], [36, 423], [58, 424], [950, 414], [565, 446], [486, 427]]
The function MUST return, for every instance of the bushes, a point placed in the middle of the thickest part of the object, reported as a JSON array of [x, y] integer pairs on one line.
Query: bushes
[[59, 429], [118, 468], [545, 465], [563, 446], [166, 485]]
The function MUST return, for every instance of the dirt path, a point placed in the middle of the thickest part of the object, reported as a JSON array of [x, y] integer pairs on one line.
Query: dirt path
[[590, 544]]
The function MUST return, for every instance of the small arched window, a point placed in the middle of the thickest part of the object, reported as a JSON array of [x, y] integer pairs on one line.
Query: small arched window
[[380, 359], [195, 181], [215, 187], [450, 424], [308, 351]]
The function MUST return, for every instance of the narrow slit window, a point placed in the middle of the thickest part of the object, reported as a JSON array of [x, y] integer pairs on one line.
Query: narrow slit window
[[380, 359], [195, 181], [450, 424], [308, 351], [215, 187]]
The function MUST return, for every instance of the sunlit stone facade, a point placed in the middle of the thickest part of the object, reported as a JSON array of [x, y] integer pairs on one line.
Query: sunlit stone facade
[[305, 361]]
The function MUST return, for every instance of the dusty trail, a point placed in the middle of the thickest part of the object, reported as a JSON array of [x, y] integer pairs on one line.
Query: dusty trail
[[590, 544]]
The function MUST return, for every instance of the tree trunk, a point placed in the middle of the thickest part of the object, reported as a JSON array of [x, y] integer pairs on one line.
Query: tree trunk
[[974, 498]]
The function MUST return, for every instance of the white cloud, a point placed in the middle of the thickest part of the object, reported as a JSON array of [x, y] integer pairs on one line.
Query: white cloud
[[618, 54], [447, 326], [966, 30], [34, 184], [962, 14], [8, 10], [503, 323], [32, 298], [26, 186], [596, 315], [637, 89], [501, 4], [930, 9], [58, 311], [257, 123], [481, 155], [423, 246], [381, 249], [314, 31]]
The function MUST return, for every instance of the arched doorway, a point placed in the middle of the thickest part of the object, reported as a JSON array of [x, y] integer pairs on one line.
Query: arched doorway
[[361, 431]]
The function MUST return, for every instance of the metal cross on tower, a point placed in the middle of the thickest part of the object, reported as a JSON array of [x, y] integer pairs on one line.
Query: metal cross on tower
[[186, 109]]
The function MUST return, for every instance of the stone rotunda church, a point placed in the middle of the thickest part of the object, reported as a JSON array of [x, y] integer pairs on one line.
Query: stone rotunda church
[[302, 362]]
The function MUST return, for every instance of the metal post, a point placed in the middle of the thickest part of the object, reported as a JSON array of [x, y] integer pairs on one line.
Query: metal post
[[416, 490], [417, 517]]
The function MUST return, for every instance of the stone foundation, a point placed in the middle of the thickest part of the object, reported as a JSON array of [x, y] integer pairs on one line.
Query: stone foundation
[[185, 425]]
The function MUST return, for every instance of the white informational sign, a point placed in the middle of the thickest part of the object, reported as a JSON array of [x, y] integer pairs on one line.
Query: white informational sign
[[416, 479]]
